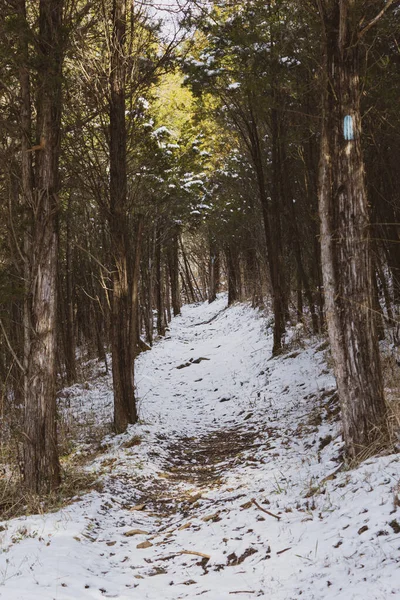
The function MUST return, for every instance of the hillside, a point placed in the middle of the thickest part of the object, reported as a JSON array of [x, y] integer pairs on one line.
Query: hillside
[[232, 484]]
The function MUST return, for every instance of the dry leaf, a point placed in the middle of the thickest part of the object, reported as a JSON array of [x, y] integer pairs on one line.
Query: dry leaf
[[144, 545], [211, 517], [194, 498], [133, 532], [138, 507]]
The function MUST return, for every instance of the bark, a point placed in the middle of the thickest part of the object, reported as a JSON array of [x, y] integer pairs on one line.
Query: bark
[[147, 288], [385, 291], [41, 466], [345, 237], [167, 287], [161, 324], [27, 182], [214, 270], [233, 276], [121, 342], [299, 299], [193, 297], [135, 318], [70, 342], [173, 268]]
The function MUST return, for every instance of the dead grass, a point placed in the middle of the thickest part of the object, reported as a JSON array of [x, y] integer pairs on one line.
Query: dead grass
[[79, 442], [135, 440], [15, 501], [382, 445], [391, 378], [81, 436]]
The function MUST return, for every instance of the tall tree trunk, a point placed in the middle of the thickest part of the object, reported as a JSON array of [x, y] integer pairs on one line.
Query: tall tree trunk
[[233, 276], [27, 186], [190, 279], [135, 317], [41, 466], [70, 342], [272, 228], [161, 324], [121, 343], [345, 236], [214, 270], [167, 288], [173, 268], [147, 287]]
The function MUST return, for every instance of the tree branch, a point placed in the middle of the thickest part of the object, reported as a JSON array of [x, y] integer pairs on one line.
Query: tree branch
[[375, 19], [15, 357]]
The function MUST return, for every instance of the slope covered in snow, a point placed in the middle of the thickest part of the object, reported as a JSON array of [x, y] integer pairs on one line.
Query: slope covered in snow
[[232, 484]]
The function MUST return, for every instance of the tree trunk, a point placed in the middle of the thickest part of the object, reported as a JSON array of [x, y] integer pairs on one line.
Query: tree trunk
[[70, 342], [189, 278], [41, 466], [214, 270], [173, 268], [233, 278], [147, 287], [121, 342], [161, 324], [27, 183], [345, 243], [272, 227], [135, 317]]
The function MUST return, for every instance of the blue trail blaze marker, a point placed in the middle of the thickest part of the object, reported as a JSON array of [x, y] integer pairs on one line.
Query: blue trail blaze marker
[[348, 128]]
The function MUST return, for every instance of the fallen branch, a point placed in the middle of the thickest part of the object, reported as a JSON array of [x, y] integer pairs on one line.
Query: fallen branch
[[267, 512], [209, 320], [194, 553]]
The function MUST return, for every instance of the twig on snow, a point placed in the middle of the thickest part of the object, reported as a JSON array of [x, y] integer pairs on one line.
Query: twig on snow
[[267, 512]]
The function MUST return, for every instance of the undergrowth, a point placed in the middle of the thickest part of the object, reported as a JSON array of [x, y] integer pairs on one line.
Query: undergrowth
[[16, 501], [79, 442]]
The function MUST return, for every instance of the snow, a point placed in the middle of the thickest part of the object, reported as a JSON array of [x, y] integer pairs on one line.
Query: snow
[[161, 131], [221, 424]]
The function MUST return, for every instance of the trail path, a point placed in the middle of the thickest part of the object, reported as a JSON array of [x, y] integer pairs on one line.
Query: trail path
[[230, 487]]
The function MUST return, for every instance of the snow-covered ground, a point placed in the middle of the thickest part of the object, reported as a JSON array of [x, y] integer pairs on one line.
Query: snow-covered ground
[[232, 484]]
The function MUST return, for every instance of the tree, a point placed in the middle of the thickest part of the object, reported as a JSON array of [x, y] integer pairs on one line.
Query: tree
[[345, 233], [122, 316], [41, 467]]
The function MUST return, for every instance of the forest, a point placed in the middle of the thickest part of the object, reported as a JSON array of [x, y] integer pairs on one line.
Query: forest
[[157, 157]]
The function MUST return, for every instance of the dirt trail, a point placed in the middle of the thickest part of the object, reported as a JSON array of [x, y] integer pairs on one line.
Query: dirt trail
[[195, 465]]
